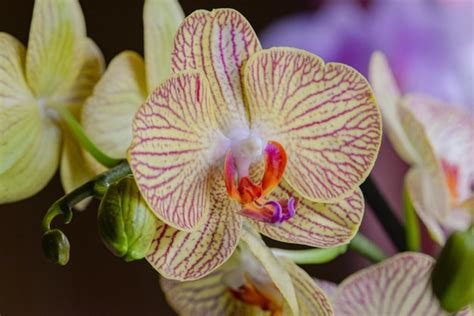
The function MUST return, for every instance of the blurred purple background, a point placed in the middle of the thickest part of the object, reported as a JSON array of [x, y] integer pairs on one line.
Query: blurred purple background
[[429, 44]]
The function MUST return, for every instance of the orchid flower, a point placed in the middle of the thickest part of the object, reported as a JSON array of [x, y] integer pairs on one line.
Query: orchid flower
[[129, 79], [56, 73], [274, 136], [397, 286], [252, 282], [437, 141]]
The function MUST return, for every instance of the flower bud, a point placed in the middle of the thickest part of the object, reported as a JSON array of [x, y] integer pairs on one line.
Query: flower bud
[[56, 246], [126, 224], [453, 275]]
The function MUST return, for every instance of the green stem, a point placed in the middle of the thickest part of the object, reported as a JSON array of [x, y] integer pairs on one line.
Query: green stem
[[311, 256], [54, 240], [367, 249], [84, 140], [412, 227]]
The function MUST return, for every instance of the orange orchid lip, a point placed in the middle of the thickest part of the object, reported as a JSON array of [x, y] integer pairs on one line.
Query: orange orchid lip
[[252, 196], [249, 294]]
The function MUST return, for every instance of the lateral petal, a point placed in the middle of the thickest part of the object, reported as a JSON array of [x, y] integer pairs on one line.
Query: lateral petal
[[325, 116], [175, 136]]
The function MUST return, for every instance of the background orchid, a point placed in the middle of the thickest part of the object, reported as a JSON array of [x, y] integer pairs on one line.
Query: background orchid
[[55, 74], [252, 282], [128, 80], [437, 140], [397, 286], [222, 110]]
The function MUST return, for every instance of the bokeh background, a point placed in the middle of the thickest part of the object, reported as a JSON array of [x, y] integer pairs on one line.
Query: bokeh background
[[429, 43]]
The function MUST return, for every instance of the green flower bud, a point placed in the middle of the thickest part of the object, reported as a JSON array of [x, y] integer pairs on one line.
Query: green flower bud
[[453, 275], [56, 246], [126, 224]]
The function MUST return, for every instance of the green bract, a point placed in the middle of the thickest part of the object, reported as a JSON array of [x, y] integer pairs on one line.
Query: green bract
[[126, 224], [453, 274]]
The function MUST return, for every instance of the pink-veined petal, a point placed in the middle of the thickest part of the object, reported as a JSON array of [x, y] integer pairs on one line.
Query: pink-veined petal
[[174, 137], [388, 97], [218, 43], [433, 187], [316, 224], [328, 287], [325, 116], [192, 255], [450, 130], [55, 46], [397, 286], [312, 300]]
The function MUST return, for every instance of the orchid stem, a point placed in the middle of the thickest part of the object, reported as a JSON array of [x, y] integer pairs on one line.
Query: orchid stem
[[80, 135], [412, 226], [366, 248], [385, 215], [54, 240], [311, 256]]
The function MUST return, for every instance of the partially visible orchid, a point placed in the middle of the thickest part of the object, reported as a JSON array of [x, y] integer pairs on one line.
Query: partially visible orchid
[[252, 282], [55, 74], [108, 113], [397, 286], [437, 141], [430, 44], [274, 135]]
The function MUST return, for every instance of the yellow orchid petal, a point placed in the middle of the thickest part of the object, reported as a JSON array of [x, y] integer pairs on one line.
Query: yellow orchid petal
[[388, 97], [219, 43], [19, 119], [316, 224], [450, 131], [311, 298], [37, 165], [274, 269], [328, 287], [397, 286], [91, 71], [434, 190], [161, 19], [107, 115], [187, 256], [174, 138], [325, 116], [417, 185], [55, 49]]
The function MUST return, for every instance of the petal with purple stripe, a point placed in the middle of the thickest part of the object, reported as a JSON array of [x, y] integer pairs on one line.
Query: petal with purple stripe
[[174, 138], [316, 224], [398, 286], [218, 43], [181, 255], [325, 116]]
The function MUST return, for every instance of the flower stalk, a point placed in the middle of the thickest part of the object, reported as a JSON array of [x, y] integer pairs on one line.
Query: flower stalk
[[367, 249], [78, 132], [412, 227], [385, 215]]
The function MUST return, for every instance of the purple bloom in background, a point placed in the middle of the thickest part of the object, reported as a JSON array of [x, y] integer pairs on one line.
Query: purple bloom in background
[[430, 45]]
